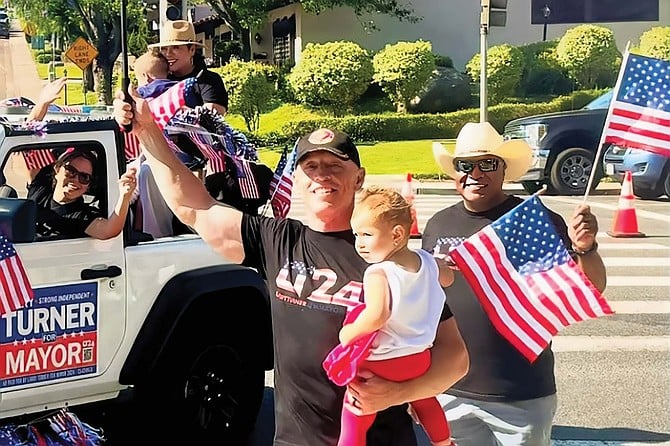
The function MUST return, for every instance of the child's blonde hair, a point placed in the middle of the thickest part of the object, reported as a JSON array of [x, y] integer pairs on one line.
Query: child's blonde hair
[[152, 63], [385, 205]]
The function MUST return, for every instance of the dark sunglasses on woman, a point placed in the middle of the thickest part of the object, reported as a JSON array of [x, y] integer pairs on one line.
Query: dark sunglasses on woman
[[484, 165], [82, 177]]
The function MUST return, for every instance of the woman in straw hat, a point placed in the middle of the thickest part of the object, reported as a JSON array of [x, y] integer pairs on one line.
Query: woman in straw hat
[[179, 47], [504, 399]]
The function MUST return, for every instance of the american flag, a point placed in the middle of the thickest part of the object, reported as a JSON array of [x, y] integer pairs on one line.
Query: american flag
[[281, 184], [132, 146], [15, 289], [640, 113], [39, 158], [164, 107], [526, 280], [248, 186], [216, 159]]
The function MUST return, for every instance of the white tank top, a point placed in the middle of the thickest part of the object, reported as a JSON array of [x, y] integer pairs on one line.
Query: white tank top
[[417, 300]]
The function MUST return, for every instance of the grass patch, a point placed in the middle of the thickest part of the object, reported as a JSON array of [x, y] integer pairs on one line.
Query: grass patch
[[387, 158], [75, 94]]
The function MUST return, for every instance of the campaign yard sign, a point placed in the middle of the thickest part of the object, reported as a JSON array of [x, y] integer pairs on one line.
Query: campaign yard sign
[[53, 338]]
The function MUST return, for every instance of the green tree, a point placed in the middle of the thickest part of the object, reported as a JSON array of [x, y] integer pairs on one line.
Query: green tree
[[403, 69], [250, 88], [589, 55], [655, 42], [245, 15], [99, 21], [333, 74], [504, 67]]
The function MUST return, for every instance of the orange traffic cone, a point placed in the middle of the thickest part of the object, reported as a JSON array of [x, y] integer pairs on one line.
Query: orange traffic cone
[[407, 191], [625, 219]]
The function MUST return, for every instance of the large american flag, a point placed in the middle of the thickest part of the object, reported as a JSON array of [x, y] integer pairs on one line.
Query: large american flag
[[640, 113], [15, 289], [164, 106], [281, 184], [526, 280]]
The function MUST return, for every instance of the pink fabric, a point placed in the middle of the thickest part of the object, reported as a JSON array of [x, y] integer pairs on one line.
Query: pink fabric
[[341, 364]]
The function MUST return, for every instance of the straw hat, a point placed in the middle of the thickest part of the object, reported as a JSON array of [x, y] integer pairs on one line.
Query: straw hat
[[177, 32], [481, 139]]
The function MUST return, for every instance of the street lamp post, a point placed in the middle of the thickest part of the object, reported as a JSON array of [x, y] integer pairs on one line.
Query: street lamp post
[[546, 12]]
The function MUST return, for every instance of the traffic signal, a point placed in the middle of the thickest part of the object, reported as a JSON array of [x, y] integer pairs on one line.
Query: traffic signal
[[175, 9], [493, 13]]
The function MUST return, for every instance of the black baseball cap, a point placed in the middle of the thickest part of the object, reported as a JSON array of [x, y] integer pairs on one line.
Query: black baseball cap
[[336, 142]]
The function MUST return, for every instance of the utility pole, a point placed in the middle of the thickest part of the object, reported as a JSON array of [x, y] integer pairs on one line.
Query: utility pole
[[493, 13], [483, 44]]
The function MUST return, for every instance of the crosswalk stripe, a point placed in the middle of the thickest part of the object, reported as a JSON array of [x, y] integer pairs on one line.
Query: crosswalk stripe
[[610, 343], [640, 306], [638, 281], [636, 261]]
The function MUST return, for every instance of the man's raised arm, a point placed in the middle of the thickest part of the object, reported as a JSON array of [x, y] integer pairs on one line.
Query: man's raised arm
[[219, 225]]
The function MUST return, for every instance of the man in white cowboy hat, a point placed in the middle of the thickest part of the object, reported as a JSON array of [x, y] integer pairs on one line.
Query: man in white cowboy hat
[[178, 44], [504, 399]]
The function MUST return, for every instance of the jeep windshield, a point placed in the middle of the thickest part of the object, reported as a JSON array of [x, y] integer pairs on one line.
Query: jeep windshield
[[602, 101]]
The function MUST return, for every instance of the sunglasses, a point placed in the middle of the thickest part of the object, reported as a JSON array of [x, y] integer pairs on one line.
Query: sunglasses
[[82, 177], [485, 165]]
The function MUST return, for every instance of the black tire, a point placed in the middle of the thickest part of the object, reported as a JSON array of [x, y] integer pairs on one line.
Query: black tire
[[666, 183], [570, 172], [531, 186], [647, 194], [204, 391]]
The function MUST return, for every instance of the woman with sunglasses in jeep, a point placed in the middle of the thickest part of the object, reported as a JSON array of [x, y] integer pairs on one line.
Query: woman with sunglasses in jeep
[[59, 193]]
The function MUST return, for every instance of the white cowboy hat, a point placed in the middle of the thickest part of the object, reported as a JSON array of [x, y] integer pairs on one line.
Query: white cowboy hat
[[177, 32], [479, 139]]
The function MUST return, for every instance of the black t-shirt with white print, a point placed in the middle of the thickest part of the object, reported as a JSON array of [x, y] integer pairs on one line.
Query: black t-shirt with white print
[[312, 277], [498, 372]]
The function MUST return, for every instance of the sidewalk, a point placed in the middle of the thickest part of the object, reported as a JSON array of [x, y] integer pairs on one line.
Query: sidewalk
[[447, 187], [26, 82]]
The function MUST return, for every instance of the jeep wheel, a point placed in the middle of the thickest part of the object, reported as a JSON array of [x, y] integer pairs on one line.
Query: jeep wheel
[[570, 172], [211, 396], [666, 183]]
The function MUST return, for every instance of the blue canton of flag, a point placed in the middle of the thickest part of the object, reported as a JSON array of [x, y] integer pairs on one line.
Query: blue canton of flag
[[15, 289], [640, 113], [526, 280]]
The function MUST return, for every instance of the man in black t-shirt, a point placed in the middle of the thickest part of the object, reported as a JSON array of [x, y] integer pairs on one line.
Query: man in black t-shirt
[[314, 276], [504, 399]]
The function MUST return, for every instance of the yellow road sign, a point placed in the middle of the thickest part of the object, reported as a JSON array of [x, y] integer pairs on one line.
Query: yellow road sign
[[81, 52]]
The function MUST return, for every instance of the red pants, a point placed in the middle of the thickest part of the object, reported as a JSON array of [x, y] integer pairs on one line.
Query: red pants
[[428, 410]]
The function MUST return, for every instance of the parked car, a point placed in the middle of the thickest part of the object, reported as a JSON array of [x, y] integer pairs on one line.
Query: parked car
[[564, 146], [650, 172]]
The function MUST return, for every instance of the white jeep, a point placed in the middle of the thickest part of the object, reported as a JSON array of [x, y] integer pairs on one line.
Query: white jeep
[[183, 332]]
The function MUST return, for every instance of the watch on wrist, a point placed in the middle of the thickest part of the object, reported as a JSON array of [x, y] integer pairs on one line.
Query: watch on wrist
[[579, 252]]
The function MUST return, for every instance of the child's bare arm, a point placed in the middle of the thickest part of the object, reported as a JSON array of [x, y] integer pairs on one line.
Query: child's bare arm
[[377, 308], [446, 271]]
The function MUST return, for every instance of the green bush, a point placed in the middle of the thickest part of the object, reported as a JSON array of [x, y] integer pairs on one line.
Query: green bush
[[403, 69], [655, 42], [504, 67], [447, 91], [250, 88], [443, 61], [396, 127], [542, 74], [333, 74], [589, 55]]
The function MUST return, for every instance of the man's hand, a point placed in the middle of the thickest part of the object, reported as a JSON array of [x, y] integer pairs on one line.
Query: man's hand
[[51, 91], [583, 228], [371, 394], [138, 114], [128, 182]]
